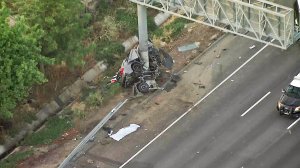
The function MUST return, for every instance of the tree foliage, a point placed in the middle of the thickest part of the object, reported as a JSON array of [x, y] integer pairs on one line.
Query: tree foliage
[[64, 23], [19, 57]]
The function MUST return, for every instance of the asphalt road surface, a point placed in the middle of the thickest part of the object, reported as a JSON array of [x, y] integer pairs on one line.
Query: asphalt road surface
[[237, 125]]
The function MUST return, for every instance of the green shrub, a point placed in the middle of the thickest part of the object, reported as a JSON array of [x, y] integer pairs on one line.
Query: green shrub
[[177, 26], [110, 28], [151, 24], [128, 19], [29, 117], [94, 99], [170, 31], [107, 51], [53, 129], [103, 7], [114, 89], [79, 113], [12, 160], [158, 32]]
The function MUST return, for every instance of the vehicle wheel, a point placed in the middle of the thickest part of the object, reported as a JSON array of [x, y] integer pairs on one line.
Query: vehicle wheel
[[136, 67], [143, 87]]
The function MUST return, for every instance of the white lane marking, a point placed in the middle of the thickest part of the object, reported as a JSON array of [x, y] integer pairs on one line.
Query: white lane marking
[[255, 104], [195, 104], [154, 139], [234, 72], [294, 123]]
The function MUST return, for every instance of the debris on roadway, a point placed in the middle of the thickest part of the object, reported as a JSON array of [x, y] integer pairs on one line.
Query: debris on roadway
[[251, 47]]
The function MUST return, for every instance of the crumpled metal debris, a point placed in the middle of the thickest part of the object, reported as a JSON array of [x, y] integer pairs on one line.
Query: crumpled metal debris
[[133, 73]]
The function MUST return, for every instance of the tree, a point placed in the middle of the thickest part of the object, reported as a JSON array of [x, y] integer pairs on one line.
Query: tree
[[64, 23], [20, 53]]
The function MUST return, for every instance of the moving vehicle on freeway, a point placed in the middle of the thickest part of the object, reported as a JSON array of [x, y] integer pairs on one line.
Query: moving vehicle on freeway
[[289, 102]]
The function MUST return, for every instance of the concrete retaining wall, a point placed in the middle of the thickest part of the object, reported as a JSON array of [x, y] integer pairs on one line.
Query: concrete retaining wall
[[65, 98]]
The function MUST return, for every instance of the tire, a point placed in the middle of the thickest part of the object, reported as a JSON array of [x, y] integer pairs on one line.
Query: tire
[[143, 87], [137, 67]]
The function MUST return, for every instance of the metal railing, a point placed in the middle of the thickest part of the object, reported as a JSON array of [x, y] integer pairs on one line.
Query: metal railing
[[81, 145]]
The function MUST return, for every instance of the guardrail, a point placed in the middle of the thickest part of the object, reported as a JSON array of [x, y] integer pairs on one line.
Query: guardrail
[[91, 134]]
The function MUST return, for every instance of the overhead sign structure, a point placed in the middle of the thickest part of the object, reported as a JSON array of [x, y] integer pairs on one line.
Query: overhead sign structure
[[258, 20]]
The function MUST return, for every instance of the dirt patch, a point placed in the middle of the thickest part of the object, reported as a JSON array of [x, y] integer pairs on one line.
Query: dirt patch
[[56, 152], [194, 32], [49, 154], [59, 76]]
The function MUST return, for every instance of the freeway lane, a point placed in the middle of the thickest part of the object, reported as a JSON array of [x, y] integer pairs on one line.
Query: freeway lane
[[215, 135]]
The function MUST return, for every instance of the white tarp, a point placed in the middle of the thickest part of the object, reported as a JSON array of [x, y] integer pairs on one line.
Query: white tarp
[[124, 132]]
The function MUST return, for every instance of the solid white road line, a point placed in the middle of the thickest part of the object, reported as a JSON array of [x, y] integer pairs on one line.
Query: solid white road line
[[294, 123], [255, 104], [196, 104]]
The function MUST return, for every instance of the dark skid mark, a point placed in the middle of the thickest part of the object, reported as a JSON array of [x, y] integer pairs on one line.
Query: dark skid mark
[[169, 86]]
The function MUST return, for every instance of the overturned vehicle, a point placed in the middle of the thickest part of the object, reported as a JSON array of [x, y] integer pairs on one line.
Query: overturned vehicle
[[133, 73]]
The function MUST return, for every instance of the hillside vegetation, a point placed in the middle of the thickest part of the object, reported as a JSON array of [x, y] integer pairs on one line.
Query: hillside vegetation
[[42, 39]]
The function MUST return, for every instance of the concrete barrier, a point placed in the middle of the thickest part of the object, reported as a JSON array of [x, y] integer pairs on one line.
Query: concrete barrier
[[161, 18], [130, 42]]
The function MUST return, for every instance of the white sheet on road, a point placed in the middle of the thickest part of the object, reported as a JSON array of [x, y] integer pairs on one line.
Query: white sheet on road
[[124, 132]]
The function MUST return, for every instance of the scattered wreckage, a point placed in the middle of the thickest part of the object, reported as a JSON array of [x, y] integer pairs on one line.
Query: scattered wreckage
[[133, 73]]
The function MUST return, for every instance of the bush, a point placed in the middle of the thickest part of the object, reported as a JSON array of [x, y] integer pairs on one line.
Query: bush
[[128, 19], [94, 99], [54, 127], [114, 89], [106, 30], [170, 31], [79, 113], [103, 7], [13, 159], [151, 24], [177, 26], [108, 51], [20, 53]]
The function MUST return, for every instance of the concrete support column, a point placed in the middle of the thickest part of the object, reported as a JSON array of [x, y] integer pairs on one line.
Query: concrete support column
[[143, 34]]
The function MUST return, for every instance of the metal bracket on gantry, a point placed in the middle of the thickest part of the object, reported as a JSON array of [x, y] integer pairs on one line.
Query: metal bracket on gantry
[[258, 20]]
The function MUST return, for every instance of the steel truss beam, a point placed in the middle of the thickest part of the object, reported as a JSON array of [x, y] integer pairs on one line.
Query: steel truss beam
[[258, 20]]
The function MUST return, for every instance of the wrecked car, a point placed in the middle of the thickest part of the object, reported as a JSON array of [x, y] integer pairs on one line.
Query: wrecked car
[[132, 72]]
